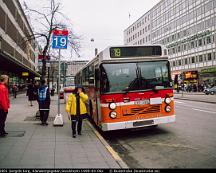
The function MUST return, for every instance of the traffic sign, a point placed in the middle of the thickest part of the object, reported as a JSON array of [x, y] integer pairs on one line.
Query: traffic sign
[[60, 39]]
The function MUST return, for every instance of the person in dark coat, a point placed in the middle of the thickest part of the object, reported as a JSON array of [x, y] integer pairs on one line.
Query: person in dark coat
[[43, 98], [30, 93]]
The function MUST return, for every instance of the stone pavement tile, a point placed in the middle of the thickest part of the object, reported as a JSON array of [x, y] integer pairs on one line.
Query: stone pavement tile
[[12, 158], [38, 159], [3, 152]]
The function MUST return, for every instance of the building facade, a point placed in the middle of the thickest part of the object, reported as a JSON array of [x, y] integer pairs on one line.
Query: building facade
[[17, 52], [187, 29], [75, 66]]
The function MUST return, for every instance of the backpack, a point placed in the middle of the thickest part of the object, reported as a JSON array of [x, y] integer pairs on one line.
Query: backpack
[[42, 92]]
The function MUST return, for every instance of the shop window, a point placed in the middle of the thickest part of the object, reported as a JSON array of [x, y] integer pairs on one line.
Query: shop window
[[173, 50], [214, 55], [179, 48], [192, 44], [174, 64], [204, 57], [179, 62], [192, 59], [200, 42], [209, 57], [208, 40], [200, 58]]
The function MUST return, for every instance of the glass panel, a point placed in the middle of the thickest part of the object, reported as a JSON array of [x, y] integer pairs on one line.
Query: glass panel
[[134, 76]]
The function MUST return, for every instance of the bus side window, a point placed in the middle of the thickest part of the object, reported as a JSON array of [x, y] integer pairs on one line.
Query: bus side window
[[97, 78], [104, 82]]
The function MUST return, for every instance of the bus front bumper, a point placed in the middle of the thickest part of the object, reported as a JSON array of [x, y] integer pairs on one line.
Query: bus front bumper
[[137, 123]]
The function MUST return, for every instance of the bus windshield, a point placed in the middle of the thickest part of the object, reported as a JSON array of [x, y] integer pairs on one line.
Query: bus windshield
[[119, 77]]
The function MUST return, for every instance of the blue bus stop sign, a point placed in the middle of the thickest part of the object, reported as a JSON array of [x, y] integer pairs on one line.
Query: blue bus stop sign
[[59, 42]]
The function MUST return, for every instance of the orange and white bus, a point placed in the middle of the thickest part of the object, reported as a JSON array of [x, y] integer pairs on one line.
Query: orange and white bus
[[129, 87]]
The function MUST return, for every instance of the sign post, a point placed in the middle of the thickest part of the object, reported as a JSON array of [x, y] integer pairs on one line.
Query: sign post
[[59, 41]]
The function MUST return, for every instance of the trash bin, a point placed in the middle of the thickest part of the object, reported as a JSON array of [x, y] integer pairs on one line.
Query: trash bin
[[52, 92]]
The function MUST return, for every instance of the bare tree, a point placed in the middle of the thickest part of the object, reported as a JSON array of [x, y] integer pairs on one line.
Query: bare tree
[[48, 19]]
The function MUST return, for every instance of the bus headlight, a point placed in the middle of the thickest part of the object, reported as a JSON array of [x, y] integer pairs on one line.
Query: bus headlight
[[113, 115], [112, 106], [168, 108], [167, 100]]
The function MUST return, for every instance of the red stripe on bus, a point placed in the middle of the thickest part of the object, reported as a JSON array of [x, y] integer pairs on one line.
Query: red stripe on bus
[[119, 97]]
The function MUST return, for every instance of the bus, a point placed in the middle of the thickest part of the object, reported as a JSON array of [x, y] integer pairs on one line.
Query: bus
[[129, 87], [68, 87]]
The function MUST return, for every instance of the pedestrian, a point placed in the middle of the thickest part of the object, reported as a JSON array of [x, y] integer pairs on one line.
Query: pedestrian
[[76, 107], [31, 93], [4, 103], [14, 90], [43, 99]]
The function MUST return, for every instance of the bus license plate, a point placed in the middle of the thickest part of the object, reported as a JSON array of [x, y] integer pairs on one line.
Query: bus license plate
[[141, 102]]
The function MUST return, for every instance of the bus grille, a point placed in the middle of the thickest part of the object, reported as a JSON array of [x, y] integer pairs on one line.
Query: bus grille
[[146, 110]]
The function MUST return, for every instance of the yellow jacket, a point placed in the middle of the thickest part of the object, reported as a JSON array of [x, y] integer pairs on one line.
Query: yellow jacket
[[71, 104]]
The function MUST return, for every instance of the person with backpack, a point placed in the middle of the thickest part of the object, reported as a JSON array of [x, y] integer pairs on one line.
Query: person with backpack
[[43, 99], [76, 107]]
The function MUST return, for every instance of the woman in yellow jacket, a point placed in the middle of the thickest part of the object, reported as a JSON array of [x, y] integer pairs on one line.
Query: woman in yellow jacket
[[76, 107]]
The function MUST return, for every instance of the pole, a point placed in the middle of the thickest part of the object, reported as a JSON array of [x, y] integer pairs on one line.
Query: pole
[[48, 80], [59, 76]]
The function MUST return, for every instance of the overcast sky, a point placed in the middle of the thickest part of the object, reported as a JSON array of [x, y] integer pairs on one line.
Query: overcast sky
[[102, 20]]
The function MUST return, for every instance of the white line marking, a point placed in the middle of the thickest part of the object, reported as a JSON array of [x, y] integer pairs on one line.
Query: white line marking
[[178, 102], [204, 111]]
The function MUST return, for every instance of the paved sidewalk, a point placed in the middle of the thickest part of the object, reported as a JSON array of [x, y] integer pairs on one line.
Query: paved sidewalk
[[30, 145], [195, 96]]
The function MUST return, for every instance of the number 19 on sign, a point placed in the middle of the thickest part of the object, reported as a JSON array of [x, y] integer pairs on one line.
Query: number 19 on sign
[[59, 42]]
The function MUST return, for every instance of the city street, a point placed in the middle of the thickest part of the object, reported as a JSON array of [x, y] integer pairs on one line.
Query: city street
[[106, 84], [188, 143]]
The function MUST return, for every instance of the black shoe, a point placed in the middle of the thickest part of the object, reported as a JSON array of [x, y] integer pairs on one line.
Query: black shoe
[[79, 133], [74, 136], [6, 133], [43, 124], [46, 124]]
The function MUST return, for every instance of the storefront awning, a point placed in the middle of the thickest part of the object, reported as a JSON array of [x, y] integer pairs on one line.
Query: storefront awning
[[10, 64]]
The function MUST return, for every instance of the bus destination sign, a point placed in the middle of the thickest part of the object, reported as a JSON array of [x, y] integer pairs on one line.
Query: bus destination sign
[[126, 52]]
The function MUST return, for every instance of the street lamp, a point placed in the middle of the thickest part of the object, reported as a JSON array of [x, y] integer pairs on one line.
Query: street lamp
[[96, 50]]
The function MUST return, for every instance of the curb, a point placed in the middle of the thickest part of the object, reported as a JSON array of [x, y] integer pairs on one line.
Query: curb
[[195, 100], [114, 154]]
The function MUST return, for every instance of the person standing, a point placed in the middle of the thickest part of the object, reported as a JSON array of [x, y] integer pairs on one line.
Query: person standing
[[43, 99], [30, 93], [14, 90], [4, 103], [76, 107]]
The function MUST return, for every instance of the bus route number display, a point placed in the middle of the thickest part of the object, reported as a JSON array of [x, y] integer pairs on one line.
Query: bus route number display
[[117, 52], [129, 52]]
